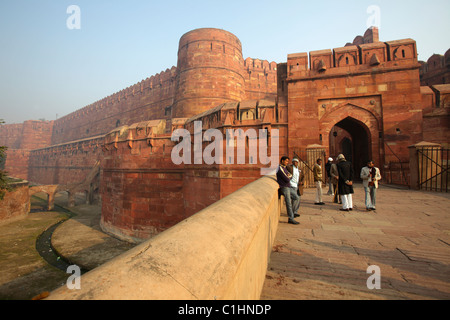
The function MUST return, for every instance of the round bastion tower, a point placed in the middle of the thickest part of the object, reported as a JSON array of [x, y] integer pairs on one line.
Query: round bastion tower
[[209, 68]]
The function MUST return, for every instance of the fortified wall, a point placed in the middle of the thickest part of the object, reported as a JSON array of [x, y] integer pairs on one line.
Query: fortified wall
[[436, 70], [147, 99], [370, 90], [364, 100], [65, 163], [210, 70], [144, 192], [20, 140], [129, 133]]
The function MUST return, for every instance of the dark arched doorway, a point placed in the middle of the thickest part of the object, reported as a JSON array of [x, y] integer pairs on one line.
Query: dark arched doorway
[[347, 149], [351, 138]]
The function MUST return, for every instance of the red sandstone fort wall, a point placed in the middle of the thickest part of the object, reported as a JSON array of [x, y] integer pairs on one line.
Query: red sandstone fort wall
[[140, 186], [144, 192], [65, 163], [16, 164], [31, 134], [20, 140], [210, 71], [36, 134], [260, 79], [436, 119], [437, 128], [375, 84], [11, 135], [148, 99], [436, 70]]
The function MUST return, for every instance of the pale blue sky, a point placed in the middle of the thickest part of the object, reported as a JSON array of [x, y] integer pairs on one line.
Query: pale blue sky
[[48, 70]]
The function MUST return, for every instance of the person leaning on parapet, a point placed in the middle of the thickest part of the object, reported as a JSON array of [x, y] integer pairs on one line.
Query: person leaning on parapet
[[370, 176], [345, 183], [297, 182], [327, 170], [334, 177], [317, 170], [284, 181]]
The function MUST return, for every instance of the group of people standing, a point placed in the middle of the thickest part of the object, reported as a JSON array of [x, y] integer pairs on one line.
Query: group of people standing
[[291, 179], [340, 183]]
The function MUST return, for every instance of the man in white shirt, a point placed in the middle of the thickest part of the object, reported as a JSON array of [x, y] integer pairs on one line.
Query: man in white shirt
[[294, 184], [370, 176]]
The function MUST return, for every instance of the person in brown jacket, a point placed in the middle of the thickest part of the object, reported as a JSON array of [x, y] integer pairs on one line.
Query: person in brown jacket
[[334, 175], [317, 171]]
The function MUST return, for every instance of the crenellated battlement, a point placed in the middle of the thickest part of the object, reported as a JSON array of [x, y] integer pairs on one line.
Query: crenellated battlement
[[155, 81], [436, 70], [251, 64], [72, 146], [366, 94], [352, 58], [147, 99], [144, 130], [260, 79], [64, 163]]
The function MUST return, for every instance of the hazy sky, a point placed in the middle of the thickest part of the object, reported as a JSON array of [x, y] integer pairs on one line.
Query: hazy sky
[[48, 70]]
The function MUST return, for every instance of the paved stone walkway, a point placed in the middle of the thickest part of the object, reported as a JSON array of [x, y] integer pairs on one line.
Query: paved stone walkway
[[327, 255]]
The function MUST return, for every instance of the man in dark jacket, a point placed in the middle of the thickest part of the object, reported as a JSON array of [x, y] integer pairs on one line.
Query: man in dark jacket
[[345, 184], [327, 170], [284, 181]]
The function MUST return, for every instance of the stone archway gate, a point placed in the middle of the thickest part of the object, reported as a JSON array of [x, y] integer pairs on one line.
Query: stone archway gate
[[50, 190], [88, 186]]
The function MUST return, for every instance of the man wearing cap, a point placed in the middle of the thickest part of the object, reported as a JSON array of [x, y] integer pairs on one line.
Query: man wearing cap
[[335, 180], [345, 184], [327, 169], [317, 171], [296, 183]]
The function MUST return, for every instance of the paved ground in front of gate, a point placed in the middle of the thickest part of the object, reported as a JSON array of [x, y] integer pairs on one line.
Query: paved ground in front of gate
[[328, 254]]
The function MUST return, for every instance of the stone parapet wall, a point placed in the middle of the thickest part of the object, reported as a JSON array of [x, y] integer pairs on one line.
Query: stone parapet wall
[[219, 253], [141, 188]]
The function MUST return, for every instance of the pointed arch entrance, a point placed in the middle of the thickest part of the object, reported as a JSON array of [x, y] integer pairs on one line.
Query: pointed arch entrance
[[353, 139], [354, 132]]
